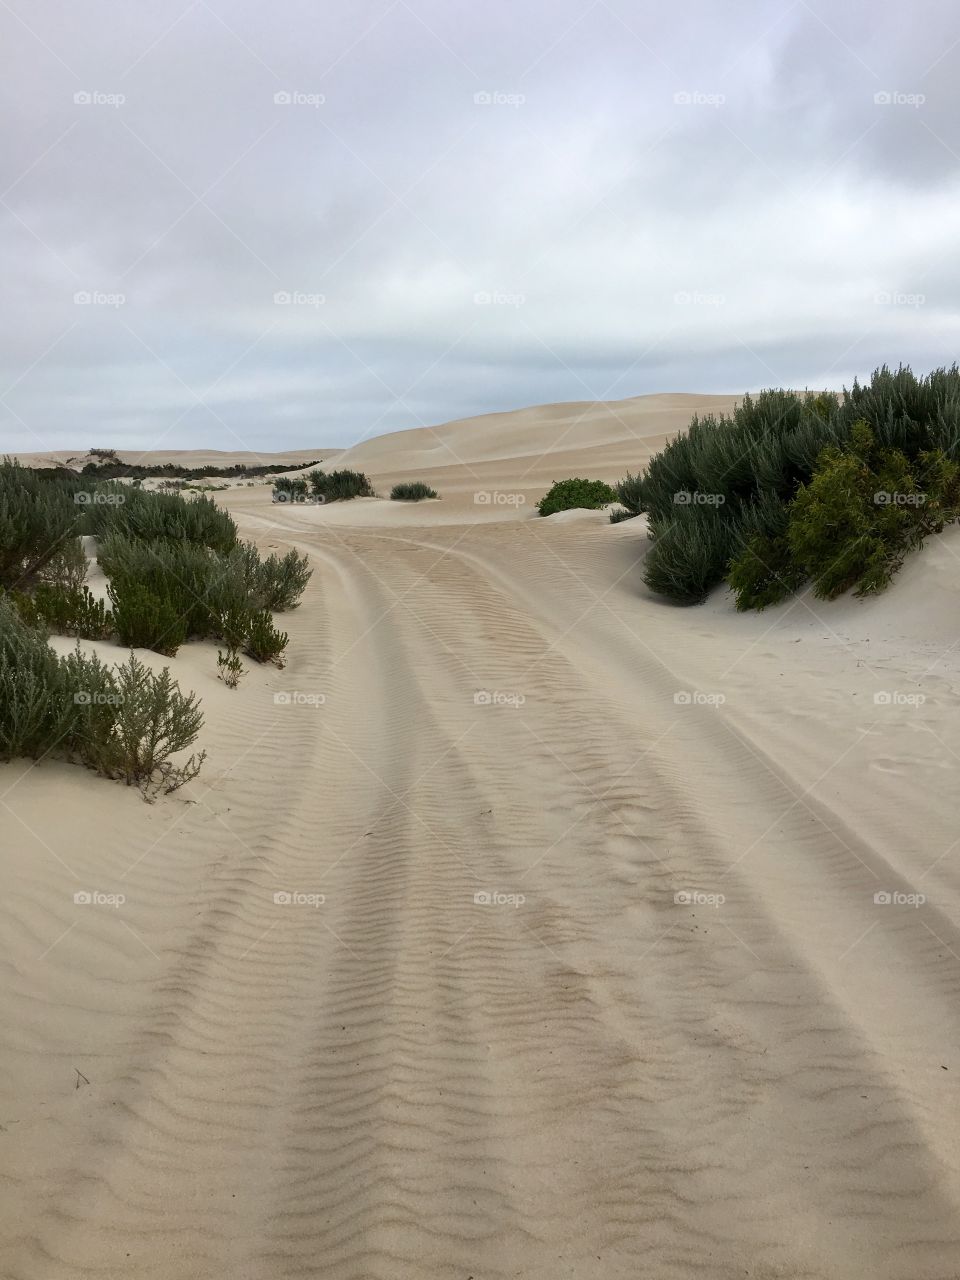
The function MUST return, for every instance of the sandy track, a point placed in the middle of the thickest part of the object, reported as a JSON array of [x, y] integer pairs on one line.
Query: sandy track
[[595, 1081]]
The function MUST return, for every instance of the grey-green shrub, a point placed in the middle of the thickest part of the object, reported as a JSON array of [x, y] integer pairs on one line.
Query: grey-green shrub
[[66, 611], [36, 711], [340, 486], [412, 491]]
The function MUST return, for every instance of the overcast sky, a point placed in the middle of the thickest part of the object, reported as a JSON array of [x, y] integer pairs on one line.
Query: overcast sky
[[297, 223]]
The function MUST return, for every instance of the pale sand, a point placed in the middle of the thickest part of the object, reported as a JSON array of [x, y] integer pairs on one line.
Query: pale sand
[[598, 1082]]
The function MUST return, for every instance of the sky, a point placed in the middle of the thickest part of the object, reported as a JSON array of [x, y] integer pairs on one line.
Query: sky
[[296, 224]]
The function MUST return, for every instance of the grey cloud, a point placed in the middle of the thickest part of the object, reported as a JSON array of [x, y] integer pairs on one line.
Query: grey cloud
[[499, 205]]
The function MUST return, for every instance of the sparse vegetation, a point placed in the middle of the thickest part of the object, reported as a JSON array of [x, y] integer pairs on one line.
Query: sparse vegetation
[[565, 495], [412, 491], [175, 566], [109, 467]]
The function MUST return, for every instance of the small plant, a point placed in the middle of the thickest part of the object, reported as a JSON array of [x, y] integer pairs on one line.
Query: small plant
[[229, 667], [412, 491], [264, 642], [564, 495], [153, 721]]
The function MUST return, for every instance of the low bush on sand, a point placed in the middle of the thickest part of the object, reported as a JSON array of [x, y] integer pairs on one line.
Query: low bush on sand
[[290, 489], [864, 509], [412, 491], [720, 499], [340, 486], [565, 495], [125, 722]]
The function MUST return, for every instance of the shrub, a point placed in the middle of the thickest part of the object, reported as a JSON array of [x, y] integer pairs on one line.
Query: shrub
[[412, 491], [264, 642], [278, 582], [863, 510], [229, 667], [133, 736], [145, 516], [340, 486], [754, 462], [290, 489], [144, 620], [629, 494], [564, 495], [67, 611], [36, 715], [39, 526]]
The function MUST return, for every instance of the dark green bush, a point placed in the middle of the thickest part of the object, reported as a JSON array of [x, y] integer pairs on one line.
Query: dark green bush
[[66, 611], [340, 486], [412, 491], [863, 510], [39, 526], [36, 711], [147, 516], [145, 620], [629, 492], [564, 495], [754, 462], [290, 489]]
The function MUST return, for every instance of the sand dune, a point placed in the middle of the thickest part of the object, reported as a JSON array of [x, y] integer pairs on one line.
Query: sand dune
[[679, 1038]]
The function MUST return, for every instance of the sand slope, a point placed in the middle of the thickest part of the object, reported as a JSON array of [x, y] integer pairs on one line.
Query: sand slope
[[581, 1077]]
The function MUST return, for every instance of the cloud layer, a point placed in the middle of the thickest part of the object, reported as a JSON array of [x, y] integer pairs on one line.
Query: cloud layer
[[271, 226]]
